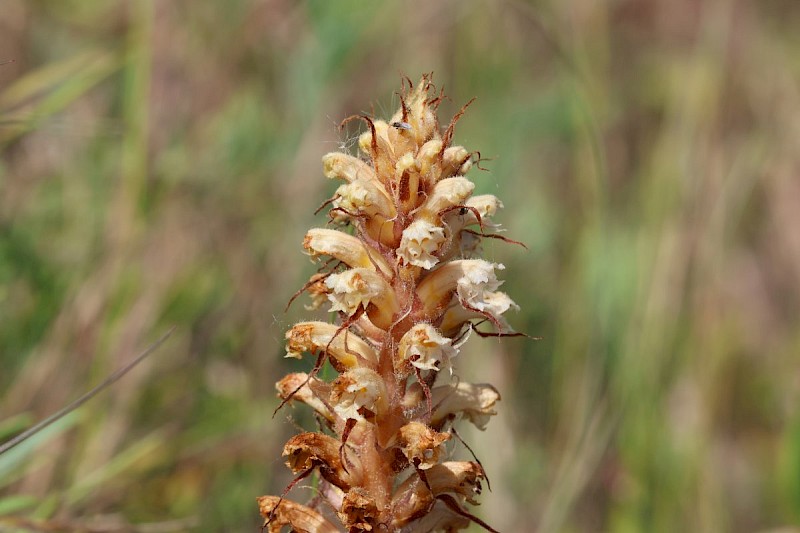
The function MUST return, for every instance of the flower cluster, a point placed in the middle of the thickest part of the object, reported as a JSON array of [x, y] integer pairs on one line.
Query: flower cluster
[[408, 288]]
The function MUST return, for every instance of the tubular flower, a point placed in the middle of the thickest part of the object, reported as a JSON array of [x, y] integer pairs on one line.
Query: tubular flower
[[425, 348], [357, 392], [420, 243], [407, 287], [345, 350]]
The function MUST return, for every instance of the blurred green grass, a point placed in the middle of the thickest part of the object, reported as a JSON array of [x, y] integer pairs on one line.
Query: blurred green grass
[[161, 162]]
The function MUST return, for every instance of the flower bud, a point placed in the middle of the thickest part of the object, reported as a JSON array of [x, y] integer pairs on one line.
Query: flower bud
[[447, 193], [379, 149], [346, 248], [407, 180], [348, 168], [428, 160], [420, 117], [362, 198], [456, 161]]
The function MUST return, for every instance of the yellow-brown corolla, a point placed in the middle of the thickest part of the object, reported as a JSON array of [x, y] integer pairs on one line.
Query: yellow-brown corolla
[[407, 286]]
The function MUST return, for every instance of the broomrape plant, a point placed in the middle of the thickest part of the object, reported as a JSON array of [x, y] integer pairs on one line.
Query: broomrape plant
[[408, 289]]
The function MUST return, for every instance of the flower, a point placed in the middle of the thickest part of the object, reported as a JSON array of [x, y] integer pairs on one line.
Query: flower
[[357, 391], [425, 348], [421, 240], [405, 285]]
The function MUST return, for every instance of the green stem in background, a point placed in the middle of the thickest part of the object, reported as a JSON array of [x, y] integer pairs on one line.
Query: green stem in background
[[110, 380], [136, 106]]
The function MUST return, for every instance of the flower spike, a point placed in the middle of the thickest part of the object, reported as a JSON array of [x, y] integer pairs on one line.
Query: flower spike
[[407, 287]]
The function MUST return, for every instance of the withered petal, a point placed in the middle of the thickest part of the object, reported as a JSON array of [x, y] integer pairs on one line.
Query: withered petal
[[359, 511], [315, 450], [421, 444], [288, 513]]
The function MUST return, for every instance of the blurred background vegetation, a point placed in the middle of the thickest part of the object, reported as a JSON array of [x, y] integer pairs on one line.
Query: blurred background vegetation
[[161, 163]]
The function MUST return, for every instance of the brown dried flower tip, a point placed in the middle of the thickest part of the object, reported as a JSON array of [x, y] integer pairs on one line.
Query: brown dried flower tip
[[408, 288]]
